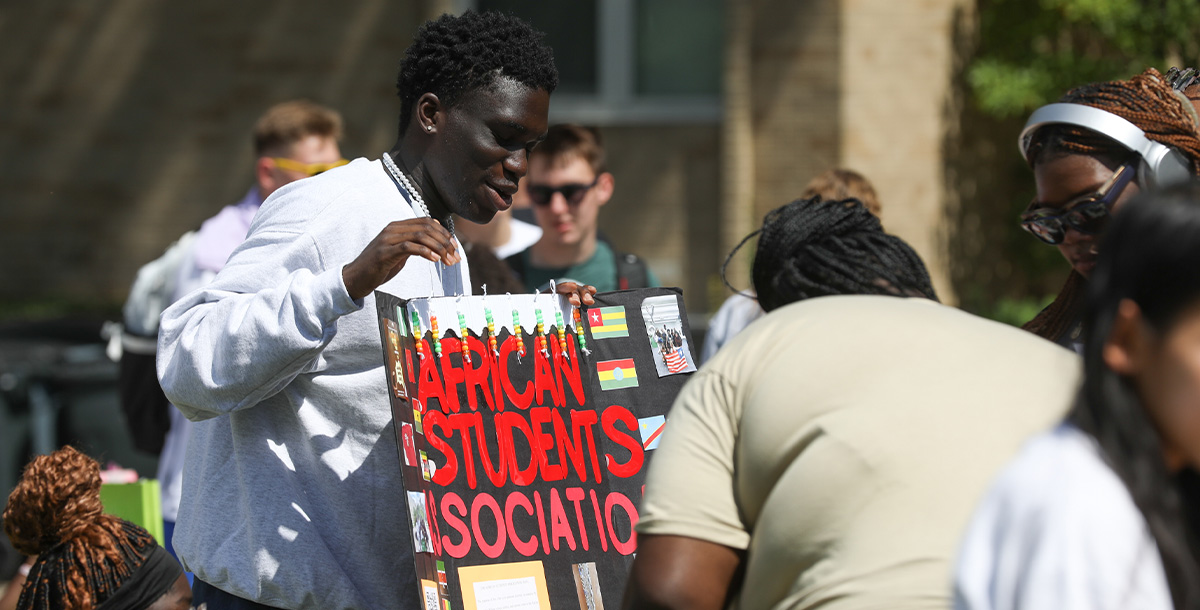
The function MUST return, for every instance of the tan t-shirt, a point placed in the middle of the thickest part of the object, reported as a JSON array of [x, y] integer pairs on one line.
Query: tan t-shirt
[[844, 442]]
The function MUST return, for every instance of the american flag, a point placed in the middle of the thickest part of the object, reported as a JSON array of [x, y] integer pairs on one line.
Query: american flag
[[675, 362]]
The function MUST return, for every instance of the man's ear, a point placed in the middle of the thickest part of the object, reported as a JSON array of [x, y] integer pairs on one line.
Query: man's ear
[[1125, 348], [264, 175], [604, 188], [427, 113]]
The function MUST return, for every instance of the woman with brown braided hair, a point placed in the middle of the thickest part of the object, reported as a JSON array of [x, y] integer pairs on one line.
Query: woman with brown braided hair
[[85, 559], [1083, 174]]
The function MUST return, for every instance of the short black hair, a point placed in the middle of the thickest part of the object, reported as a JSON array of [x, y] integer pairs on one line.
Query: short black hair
[[453, 55]]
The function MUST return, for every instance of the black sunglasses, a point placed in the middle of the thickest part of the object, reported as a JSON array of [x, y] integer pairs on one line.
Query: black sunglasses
[[573, 193], [1088, 214]]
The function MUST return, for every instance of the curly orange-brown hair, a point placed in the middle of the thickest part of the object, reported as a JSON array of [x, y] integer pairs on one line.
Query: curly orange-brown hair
[[1146, 100], [83, 554]]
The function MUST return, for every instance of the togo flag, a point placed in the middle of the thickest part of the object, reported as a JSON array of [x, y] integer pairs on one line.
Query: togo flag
[[608, 322], [617, 374]]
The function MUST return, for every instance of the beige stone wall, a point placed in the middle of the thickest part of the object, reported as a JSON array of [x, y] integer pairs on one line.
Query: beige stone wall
[[664, 205], [124, 123], [895, 79], [796, 63]]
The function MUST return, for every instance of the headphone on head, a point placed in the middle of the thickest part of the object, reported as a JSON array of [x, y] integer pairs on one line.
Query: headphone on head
[[1161, 165]]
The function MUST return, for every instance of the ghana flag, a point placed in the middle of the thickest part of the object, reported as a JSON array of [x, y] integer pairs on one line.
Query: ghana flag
[[617, 374], [607, 322]]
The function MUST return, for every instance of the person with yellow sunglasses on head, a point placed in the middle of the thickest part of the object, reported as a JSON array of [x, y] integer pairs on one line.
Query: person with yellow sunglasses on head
[[292, 140]]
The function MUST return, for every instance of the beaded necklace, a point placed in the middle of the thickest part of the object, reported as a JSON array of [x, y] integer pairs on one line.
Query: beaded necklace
[[415, 196]]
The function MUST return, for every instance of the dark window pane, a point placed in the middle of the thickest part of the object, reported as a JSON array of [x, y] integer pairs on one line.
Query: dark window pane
[[570, 28], [679, 46]]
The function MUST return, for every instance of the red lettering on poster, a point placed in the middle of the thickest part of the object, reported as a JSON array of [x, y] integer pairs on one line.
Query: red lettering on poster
[[496, 471], [568, 369], [463, 424], [433, 421], [485, 500], [507, 424], [559, 526], [521, 399], [478, 375], [460, 550], [585, 420], [430, 386], [628, 546], [544, 381], [617, 413], [575, 494], [538, 417], [452, 375], [524, 547], [599, 520], [570, 451], [537, 502]]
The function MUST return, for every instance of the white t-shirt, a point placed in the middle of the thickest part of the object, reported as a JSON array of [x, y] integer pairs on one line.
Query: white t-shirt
[[1058, 530], [521, 236]]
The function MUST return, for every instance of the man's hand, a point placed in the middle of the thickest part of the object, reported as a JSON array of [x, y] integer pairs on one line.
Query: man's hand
[[579, 294], [383, 258]]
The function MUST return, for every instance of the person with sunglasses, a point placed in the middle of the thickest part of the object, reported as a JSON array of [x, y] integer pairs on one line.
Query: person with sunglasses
[[1083, 175], [568, 184], [1101, 511], [292, 140]]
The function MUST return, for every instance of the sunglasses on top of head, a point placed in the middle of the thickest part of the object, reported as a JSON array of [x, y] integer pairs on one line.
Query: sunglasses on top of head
[[1088, 214], [308, 169], [573, 193]]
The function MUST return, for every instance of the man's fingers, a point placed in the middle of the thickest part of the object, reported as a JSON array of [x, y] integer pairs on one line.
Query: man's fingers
[[577, 294], [428, 233]]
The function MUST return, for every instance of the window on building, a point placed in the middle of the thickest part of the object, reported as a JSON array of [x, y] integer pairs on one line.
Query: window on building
[[629, 61]]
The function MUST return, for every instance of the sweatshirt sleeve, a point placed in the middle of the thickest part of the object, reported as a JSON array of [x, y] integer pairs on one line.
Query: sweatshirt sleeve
[[263, 321]]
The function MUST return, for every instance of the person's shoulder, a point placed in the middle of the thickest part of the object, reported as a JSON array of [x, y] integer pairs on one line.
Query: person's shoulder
[[1058, 480], [362, 183]]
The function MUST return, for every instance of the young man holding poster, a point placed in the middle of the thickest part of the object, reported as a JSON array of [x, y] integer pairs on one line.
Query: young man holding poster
[[295, 495]]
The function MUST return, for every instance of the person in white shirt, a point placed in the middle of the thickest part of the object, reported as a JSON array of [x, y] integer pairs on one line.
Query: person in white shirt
[[1096, 513]]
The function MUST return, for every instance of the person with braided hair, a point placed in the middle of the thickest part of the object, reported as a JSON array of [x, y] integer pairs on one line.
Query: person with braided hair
[[1102, 511], [742, 308], [831, 454], [1083, 175], [85, 559]]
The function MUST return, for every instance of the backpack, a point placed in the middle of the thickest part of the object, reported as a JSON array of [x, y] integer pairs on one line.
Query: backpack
[[146, 407]]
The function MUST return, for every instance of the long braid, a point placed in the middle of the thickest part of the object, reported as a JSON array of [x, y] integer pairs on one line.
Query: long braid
[[1146, 100], [810, 248], [83, 554]]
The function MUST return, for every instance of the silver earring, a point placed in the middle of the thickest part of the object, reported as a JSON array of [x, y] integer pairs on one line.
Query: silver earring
[[429, 128]]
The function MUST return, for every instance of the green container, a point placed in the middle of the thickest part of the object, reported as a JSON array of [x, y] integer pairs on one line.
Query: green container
[[138, 503]]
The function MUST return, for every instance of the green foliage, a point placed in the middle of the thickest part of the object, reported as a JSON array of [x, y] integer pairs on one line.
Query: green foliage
[[1032, 51], [1016, 312]]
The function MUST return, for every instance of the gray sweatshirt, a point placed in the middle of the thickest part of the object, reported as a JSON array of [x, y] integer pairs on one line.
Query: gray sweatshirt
[[292, 493]]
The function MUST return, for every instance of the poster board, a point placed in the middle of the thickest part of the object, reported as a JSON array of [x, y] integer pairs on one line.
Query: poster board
[[523, 456]]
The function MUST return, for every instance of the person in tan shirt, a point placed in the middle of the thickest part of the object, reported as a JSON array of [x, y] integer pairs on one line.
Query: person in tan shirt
[[830, 456]]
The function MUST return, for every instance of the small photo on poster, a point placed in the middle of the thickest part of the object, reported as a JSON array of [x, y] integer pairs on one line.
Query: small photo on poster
[[394, 366], [422, 536], [664, 328], [587, 586], [410, 445]]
